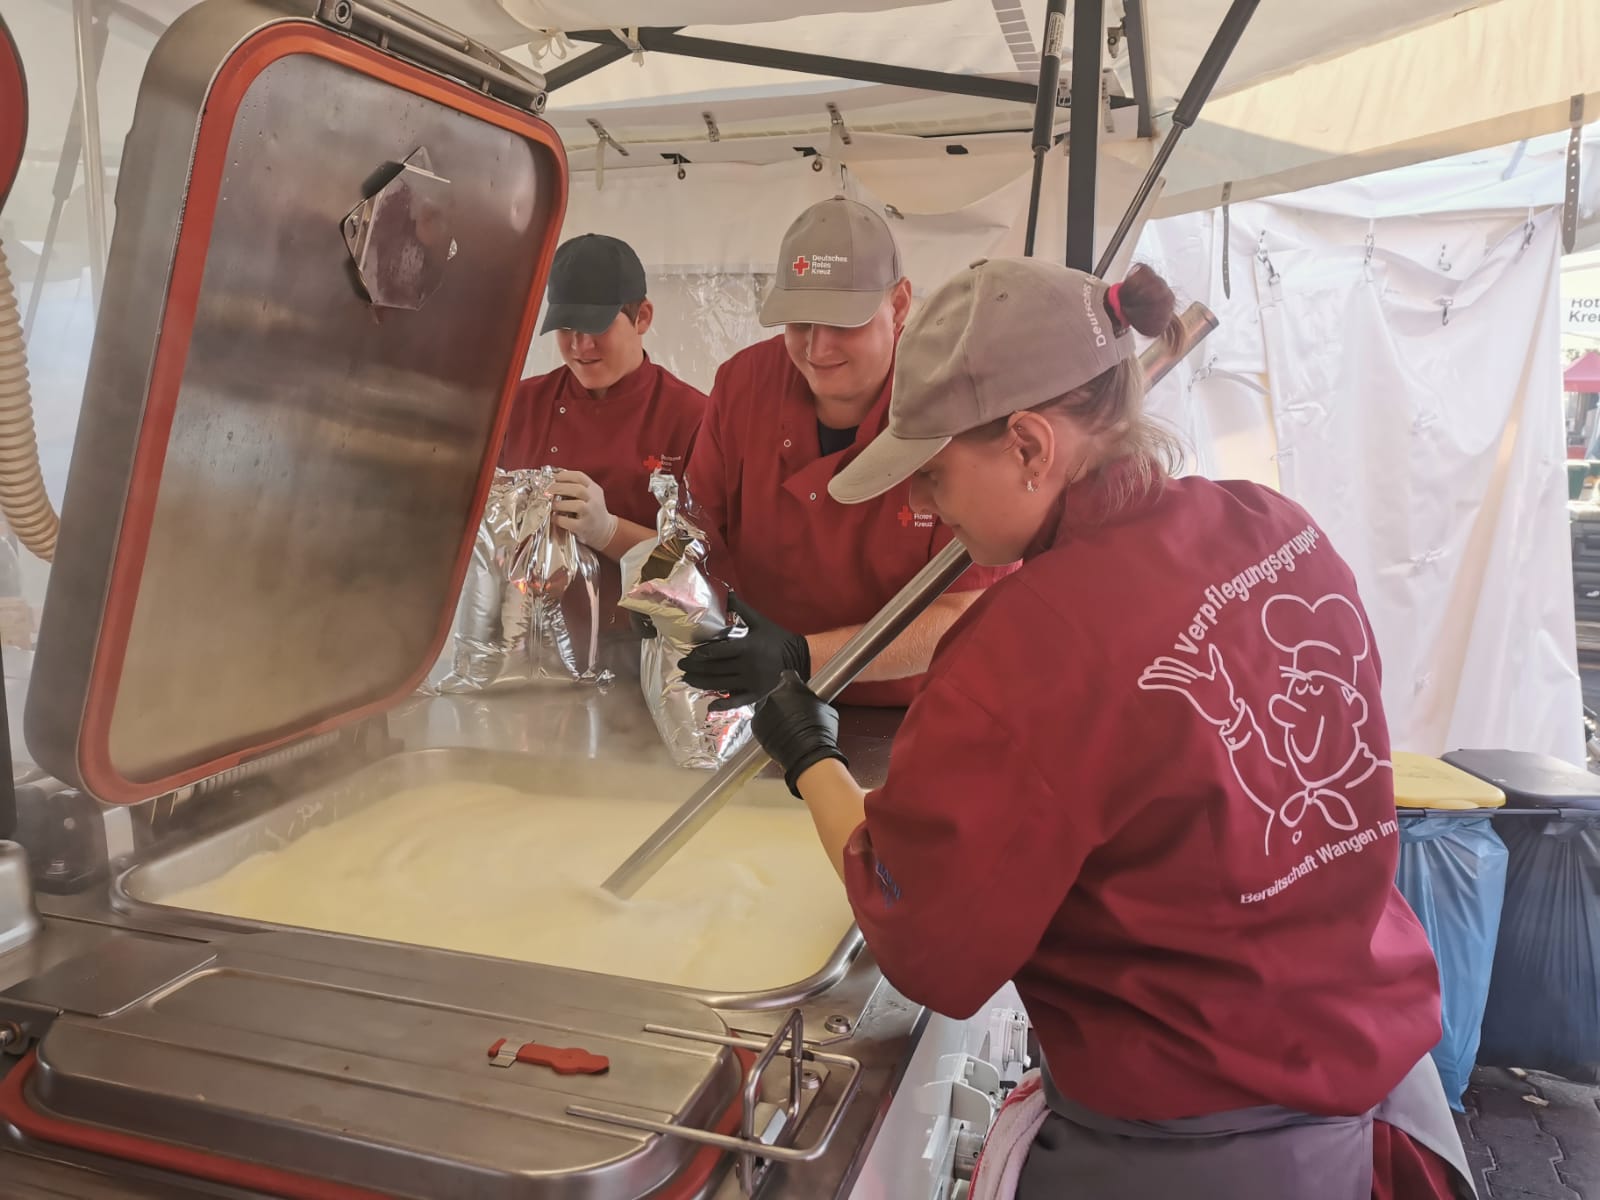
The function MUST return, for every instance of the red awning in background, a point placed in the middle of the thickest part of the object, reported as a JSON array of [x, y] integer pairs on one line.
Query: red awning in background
[[1584, 374]]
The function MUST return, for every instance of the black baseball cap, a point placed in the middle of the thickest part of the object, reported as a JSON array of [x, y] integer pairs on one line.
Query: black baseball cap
[[592, 277]]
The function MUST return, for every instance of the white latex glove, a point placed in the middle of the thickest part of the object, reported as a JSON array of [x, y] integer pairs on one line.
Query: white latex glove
[[581, 509]]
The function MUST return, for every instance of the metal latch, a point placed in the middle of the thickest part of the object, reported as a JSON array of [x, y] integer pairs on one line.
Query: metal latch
[[406, 33], [563, 1060]]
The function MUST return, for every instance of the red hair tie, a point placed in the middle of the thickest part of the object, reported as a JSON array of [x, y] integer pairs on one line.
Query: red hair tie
[[1114, 299]]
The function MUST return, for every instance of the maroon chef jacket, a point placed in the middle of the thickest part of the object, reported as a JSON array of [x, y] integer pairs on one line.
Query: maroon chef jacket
[[1148, 779], [760, 480], [646, 420]]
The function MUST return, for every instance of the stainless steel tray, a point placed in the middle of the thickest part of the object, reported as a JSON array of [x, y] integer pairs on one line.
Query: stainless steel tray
[[374, 1066], [143, 887]]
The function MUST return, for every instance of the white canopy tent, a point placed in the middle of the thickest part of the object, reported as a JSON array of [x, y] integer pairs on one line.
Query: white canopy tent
[[1313, 92]]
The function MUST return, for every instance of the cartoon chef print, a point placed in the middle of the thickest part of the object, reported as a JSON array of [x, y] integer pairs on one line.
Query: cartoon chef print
[[1316, 717]]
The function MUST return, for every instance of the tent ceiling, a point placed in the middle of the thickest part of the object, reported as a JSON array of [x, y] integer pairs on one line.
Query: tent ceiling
[[1489, 76], [603, 14], [1374, 84], [1349, 47], [1000, 38]]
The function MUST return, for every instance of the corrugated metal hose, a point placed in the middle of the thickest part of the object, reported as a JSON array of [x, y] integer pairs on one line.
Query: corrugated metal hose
[[23, 500]]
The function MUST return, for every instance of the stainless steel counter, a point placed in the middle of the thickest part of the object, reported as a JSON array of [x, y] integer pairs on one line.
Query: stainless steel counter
[[93, 959]]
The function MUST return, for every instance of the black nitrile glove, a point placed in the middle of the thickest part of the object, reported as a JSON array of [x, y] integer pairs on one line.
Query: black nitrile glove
[[747, 667], [797, 728]]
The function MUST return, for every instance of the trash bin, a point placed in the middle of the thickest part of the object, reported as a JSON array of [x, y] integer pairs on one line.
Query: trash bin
[[1544, 993], [1453, 874]]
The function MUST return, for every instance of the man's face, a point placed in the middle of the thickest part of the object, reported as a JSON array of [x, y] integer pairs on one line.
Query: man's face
[[847, 367], [599, 360]]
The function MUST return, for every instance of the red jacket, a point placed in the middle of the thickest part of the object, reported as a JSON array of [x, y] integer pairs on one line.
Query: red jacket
[[760, 480], [1148, 779], [648, 419]]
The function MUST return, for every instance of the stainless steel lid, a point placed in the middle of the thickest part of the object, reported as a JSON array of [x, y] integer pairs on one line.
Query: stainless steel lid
[[368, 1065], [321, 289]]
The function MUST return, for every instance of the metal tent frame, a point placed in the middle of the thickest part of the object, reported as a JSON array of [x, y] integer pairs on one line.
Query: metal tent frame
[[1045, 95]]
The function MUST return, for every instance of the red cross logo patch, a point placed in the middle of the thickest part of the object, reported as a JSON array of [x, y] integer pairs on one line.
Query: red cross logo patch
[[906, 516], [653, 463], [801, 266]]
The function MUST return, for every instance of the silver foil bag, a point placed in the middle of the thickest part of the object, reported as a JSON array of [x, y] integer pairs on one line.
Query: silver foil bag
[[664, 579], [528, 577]]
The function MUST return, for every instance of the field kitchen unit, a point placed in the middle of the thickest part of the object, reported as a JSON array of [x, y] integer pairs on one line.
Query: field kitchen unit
[[334, 220]]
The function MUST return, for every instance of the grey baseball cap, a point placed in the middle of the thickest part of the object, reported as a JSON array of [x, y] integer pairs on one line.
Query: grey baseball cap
[[1001, 337], [837, 262]]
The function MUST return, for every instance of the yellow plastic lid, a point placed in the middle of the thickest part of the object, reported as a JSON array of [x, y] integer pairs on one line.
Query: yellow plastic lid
[[1421, 781]]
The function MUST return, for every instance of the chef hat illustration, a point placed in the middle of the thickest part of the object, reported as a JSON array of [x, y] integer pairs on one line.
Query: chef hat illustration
[[1327, 638]]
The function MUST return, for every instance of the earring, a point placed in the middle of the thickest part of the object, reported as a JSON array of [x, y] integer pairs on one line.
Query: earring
[[1032, 487]]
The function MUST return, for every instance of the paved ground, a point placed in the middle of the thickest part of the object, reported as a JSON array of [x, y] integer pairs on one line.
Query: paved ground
[[1522, 1149]]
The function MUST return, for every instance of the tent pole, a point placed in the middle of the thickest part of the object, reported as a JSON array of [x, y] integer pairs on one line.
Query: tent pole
[[1083, 140], [587, 63], [1044, 109], [1188, 111], [66, 176], [1138, 63], [86, 21], [668, 41], [603, 55]]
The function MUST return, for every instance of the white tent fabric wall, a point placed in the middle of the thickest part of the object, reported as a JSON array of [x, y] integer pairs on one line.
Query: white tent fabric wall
[[707, 276], [1430, 451]]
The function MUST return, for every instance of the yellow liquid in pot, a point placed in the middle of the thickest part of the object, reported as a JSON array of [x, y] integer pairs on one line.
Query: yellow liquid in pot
[[750, 903]]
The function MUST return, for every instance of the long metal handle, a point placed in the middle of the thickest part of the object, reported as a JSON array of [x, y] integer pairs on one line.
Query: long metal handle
[[869, 641]]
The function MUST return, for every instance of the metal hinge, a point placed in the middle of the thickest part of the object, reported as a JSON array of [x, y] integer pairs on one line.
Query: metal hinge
[[405, 33]]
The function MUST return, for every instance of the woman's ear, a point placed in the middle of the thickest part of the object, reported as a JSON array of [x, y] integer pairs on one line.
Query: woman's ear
[[900, 302], [1036, 441]]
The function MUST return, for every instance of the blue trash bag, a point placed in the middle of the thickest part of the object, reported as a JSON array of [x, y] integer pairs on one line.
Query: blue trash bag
[[1544, 996], [1453, 874]]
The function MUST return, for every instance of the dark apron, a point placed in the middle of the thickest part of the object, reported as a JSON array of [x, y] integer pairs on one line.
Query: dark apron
[[1266, 1153]]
